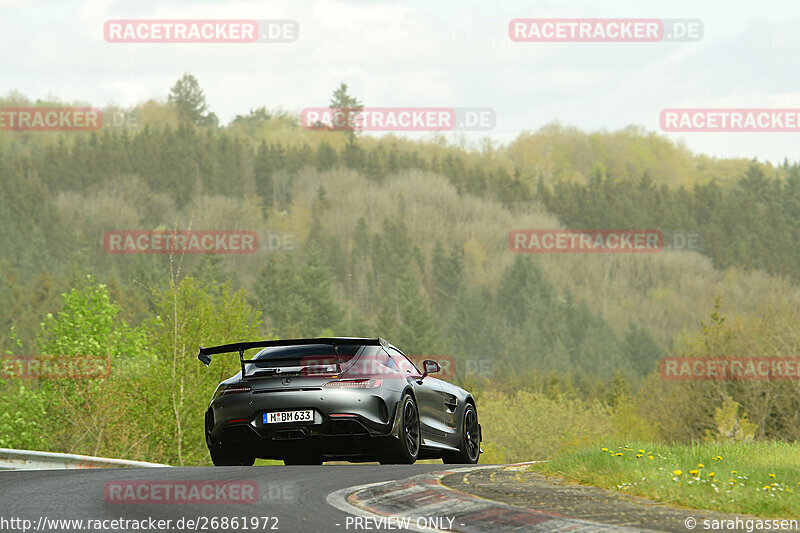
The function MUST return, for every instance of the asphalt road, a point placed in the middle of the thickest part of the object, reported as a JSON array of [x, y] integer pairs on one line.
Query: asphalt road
[[295, 495]]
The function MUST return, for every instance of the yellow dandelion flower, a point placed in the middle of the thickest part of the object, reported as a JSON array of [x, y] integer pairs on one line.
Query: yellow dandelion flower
[[638, 456], [734, 472], [619, 454], [711, 474], [699, 465], [603, 449], [772, 475], [641, 451], [650, 457], [693, 472], [678, 473]]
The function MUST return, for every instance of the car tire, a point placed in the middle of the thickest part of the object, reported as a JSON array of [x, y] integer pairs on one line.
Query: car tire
[[223, 457], [406, 449], [470, 448]]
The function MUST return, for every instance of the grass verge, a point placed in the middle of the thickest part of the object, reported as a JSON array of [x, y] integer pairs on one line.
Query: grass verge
[[761, 478]]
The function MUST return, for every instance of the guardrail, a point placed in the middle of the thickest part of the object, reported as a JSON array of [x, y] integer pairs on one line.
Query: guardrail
[[32, 460]]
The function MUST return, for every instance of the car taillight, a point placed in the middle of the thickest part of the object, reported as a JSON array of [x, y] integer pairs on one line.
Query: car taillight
[[355, 384], [234, 389]]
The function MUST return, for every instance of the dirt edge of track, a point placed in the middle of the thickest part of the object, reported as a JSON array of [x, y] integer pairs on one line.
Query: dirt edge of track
[[518, 486]]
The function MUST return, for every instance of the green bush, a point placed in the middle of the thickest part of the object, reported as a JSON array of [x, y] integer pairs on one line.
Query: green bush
[[526, 425]]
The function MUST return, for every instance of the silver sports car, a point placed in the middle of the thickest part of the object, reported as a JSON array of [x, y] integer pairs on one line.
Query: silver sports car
[[305, 401]]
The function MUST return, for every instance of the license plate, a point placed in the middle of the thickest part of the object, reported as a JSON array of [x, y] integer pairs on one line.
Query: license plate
[[305, 415]]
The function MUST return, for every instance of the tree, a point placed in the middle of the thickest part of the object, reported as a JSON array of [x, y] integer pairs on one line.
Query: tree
[[298, 299], [320, 203], [88, 325], [418, 328], [326, 156], [353, 154], [448, 275], [342, 101], [374, 165], [188, 314], [263, 167], [641, 350], [256, 116], [87, 331], [190, 102]]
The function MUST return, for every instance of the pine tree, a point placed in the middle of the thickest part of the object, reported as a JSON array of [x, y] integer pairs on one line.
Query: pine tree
[[298, 300], [315, 285], [353, 155], [326, 156], [187, 96], [642, 351], [342, 102], [448, 272], [418, 330]]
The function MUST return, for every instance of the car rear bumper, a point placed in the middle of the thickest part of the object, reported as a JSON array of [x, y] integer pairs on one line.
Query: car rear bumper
[[236, 423]]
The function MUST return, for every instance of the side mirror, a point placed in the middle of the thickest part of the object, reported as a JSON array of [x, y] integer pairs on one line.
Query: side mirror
[[430, 366]]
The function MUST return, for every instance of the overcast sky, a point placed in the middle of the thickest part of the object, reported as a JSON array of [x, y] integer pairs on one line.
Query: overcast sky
[[427, 53]]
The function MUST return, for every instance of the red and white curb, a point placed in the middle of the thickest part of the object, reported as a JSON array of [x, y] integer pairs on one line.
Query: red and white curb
[[421, 503]]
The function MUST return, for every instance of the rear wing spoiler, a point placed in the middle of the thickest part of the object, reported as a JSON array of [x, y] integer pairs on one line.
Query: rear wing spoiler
[[205, 353]]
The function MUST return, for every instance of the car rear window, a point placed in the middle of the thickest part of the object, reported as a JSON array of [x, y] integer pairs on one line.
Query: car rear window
[[305, 354]]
